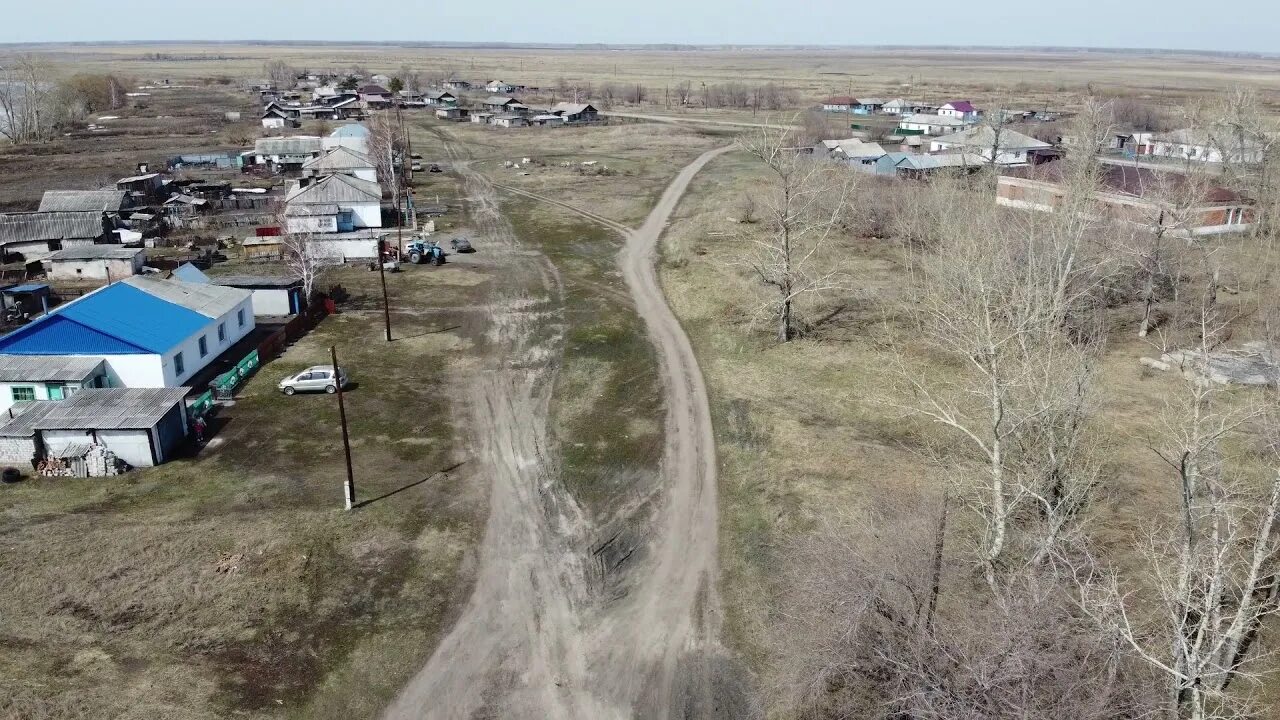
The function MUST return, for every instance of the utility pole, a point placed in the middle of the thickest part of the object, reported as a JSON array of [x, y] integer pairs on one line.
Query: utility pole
[[349, 489], [382, 275]]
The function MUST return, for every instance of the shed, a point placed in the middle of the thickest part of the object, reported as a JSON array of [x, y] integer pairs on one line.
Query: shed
[[143, 426], [510, 121], [271, 295], [143, 186], [95, 262], [262, 248]]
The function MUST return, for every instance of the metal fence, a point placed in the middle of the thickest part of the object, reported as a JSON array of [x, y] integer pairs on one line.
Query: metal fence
[[224, 386]]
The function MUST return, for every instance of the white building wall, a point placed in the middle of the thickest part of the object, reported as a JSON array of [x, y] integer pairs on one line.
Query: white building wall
[[135, 370], [41, 390], [18, 451], [370, 174], [346, 249], [132, 446], [97, 269], [366, 215], [359, 144], [192, 362], [271, 301], [320, 224]]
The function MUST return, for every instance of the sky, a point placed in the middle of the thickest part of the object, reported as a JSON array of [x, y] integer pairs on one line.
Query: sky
[[1242, 25]]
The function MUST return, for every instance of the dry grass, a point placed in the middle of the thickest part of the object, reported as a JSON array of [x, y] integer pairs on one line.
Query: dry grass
[[117, 600], [808, 433]]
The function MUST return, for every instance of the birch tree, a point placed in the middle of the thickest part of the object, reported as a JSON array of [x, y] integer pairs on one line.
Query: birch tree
[[805, 202], [302, 263], [31, 107]]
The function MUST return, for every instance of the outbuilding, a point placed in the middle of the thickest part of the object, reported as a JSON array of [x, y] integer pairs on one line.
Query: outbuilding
[[272, 296], [24, 378], [36, 235], [144, 427], [95, 262]]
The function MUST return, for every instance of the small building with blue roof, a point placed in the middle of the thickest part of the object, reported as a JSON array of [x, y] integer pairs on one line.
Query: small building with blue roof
[[151, 332]]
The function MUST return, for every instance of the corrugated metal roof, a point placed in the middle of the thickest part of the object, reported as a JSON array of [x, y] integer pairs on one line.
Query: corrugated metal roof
[[82, 201], [254, 281], [43, 226], [336, 189], [47, 368], [311, 210], [353, 130], [339, 158], [211, 301], [983, 138], [96, 409], [117, 320], [96, 252], [296, 145]]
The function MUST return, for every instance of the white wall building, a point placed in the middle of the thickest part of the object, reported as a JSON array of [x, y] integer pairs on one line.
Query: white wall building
[[151, 332], [95, 262]]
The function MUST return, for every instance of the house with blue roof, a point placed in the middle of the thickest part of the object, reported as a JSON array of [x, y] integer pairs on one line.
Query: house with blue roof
[[151, 332]]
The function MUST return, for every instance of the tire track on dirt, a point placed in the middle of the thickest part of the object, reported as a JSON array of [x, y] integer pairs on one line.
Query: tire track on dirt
[[535, 640]]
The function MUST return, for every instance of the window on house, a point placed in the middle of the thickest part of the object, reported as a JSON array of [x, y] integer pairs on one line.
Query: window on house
[[204, 346], [222, 332], [178, 366], [240, 316], [22, 394]]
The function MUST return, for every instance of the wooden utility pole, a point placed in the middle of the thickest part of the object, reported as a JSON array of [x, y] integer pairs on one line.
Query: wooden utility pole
[[382, 275], [349, 489]]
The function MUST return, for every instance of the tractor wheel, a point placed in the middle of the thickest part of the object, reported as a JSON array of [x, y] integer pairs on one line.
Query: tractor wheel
[[415, 258], [437, 260]]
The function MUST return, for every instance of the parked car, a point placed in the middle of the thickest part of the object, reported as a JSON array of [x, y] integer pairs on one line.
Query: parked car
[[416, 166], [318, 378]]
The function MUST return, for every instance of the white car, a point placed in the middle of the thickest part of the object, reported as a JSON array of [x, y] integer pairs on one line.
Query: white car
[[314, 379]]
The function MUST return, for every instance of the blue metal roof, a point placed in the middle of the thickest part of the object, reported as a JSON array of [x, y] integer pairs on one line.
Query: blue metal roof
[[117, 320], [29, 287]]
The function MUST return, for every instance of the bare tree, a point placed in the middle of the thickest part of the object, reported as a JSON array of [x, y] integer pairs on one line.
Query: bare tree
[[684, 92], [31, 106], [280, 74], [805, 203], [411, 78], [302, 263], [1213, 572]]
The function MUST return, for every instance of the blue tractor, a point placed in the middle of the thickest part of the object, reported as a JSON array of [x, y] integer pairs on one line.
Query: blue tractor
[[424, 251]]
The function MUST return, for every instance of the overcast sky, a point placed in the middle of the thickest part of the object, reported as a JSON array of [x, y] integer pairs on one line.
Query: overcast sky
[[1246, 25]]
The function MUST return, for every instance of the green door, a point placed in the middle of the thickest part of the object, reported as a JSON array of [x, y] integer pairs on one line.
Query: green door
[[56, 392]]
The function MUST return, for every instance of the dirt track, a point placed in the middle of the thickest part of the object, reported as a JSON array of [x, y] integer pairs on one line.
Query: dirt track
[[533, 640]]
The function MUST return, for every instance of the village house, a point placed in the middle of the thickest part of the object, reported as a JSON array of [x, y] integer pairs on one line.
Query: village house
[[343, 107], [547, 120], [451, 113], [962, 109], [151, 332], [274, 118], [840, 103], [1009, 148], [504, 104], [107, 263], [498, 87], [575, 112], [287, 154], [374, 96], [143, 427], [455, 84], [1137, 195], [931, 124], [440, 97], [1208, 146], [36, 235], [482, 118], [333, 204], [342, 160], [24, 378], [855, 152]]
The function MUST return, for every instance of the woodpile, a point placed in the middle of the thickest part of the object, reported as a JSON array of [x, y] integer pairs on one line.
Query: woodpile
[[92, 461]]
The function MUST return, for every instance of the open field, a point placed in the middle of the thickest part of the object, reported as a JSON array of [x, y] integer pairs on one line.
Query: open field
[[1035, 77], [515, 440]]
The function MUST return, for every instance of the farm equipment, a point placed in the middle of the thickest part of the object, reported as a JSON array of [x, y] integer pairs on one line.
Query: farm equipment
[[424, 251]]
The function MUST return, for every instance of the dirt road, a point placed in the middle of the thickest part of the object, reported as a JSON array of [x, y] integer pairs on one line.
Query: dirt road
[[535, 640]]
